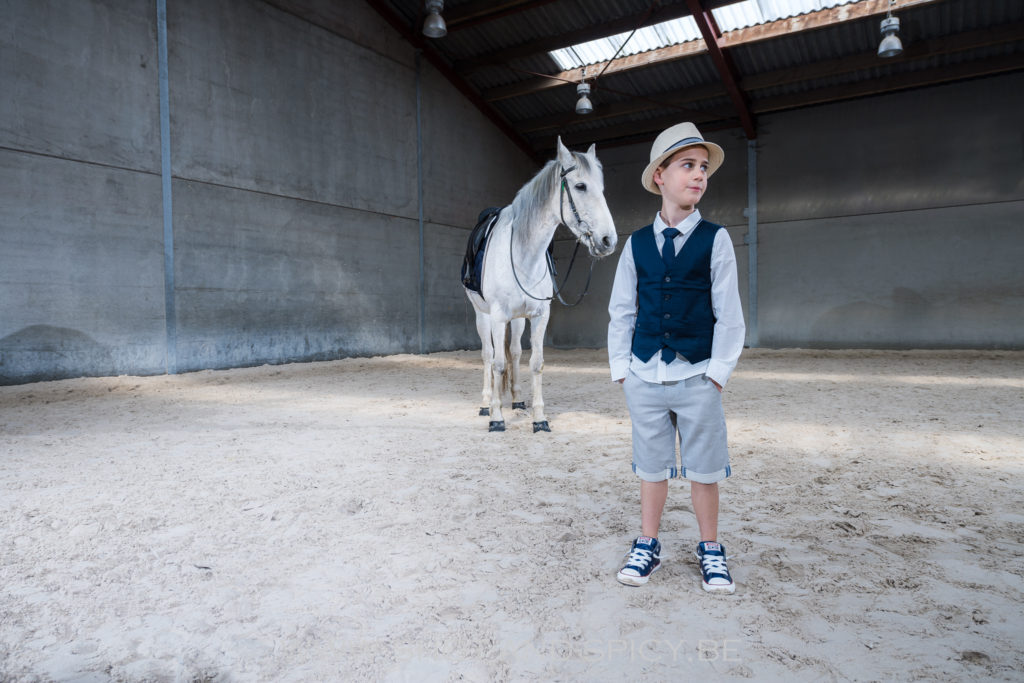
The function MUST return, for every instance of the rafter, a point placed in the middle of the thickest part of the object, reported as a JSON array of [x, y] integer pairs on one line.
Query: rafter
[[674, 99], [549, 43], [473, 13], [641, 131], [904, 81], [775, 29], [862, 9], [726, 68], [572, 76], [960, 42]]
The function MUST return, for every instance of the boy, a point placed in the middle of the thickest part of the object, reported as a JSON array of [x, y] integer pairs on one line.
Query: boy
[[675, 334]]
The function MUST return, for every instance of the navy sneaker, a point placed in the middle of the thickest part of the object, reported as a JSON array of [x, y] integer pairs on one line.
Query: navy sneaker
[[644, 558], [712, 568]]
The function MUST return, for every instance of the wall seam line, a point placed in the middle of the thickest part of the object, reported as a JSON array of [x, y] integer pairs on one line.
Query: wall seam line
[[170, 314]]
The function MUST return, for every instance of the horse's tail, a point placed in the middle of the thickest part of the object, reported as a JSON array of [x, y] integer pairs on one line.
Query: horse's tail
[[506, 375]]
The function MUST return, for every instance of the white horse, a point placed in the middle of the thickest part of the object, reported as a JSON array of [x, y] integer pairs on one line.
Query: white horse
[[516, 282]]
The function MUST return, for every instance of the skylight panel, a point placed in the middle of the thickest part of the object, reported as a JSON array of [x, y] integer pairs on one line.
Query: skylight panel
[[647, 38], [677, 31], [756, 12]]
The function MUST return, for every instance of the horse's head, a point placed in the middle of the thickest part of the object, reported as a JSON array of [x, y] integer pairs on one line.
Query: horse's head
[[581, 200]]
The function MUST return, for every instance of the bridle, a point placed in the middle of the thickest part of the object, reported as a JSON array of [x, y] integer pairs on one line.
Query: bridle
[[563, 193]]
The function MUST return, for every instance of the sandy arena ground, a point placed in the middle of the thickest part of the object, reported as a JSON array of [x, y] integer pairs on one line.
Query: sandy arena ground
[[354, 520]]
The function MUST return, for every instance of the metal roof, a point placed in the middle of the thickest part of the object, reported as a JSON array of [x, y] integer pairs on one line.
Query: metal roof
[[627, 43], [684, 29], [719, 62]]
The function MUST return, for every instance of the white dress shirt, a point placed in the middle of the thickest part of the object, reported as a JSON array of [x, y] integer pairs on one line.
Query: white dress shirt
[[730, 330]]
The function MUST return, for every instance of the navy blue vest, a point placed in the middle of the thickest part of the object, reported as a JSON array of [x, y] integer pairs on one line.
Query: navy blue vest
[[674, 302]]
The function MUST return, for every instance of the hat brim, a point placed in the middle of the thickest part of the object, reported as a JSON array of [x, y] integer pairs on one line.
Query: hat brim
[[715, 158]]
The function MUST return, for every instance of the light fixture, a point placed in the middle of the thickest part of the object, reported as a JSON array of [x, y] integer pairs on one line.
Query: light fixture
[[433, 26], [583, 104], [891, 44]]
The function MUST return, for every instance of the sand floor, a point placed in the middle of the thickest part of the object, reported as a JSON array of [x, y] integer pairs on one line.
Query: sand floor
[[354, 520]]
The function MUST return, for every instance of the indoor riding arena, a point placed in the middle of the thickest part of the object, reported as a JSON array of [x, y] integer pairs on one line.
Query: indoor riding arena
[[242, 434]]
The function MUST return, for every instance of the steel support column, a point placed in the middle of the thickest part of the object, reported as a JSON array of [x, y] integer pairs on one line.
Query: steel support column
[[419, 189], [751, 213]]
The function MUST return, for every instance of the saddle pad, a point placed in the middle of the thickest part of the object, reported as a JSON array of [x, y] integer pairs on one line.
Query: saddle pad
[[473, 264]]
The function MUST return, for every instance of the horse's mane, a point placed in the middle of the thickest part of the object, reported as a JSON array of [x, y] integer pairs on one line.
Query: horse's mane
[[532, 196]]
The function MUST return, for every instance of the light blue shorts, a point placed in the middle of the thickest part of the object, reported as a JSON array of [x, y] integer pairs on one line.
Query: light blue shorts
[[700, 426]]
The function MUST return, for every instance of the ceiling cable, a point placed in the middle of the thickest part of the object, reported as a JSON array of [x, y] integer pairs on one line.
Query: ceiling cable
[[643, 20], [584, 105]]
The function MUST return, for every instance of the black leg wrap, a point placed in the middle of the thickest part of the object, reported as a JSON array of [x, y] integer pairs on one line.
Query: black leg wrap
[[519, 404], [541, 427], [485, 411], [496, 426]]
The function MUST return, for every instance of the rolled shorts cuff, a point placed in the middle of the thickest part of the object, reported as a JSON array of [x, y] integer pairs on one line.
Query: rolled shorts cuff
[[662, 475], [706, 478]]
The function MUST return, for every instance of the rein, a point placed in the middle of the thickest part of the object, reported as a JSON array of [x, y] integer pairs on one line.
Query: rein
[[563, 191]]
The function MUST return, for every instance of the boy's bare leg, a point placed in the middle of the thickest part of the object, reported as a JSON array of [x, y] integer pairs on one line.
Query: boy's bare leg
[[652, 502], [705, 506]]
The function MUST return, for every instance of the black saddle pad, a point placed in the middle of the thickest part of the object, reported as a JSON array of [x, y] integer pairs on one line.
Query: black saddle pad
[[473, 263]]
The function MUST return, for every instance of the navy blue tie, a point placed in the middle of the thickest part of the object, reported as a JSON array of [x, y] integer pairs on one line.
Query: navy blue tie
[[668, 250], [668, 254]]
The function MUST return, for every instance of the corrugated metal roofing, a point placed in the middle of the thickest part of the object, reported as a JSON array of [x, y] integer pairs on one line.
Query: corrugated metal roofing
[[683, 30], [504, 58], [756, 12], [628, 43]]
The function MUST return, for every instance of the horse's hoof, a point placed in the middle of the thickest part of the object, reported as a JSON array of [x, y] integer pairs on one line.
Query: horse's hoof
[[541, 427], [519, 404], [496, 426], [485, 411]]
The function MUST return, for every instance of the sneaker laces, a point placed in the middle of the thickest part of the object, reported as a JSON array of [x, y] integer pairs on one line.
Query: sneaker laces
[[714, 564], [640, 556], [714, 570]]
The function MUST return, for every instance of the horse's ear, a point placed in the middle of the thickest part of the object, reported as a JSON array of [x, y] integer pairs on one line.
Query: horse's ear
[[592, 152], [564, 155]]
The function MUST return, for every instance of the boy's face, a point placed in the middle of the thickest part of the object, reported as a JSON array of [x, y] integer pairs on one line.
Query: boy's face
[[685, 176]]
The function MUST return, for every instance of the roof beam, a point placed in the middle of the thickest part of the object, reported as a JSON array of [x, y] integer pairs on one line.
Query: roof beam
[[960, 42], [905, 81], [573, 76], [416, 40], [473, 13], [751, 34], [863, 9], [583, 35], [674, 99], [723, 62], [642, 131]]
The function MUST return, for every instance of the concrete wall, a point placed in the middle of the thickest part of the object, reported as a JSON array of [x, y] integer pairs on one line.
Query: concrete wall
[[81, 262], [295, 190], [893, 221]]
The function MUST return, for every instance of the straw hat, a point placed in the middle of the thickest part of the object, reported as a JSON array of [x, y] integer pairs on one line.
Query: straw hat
[[679, 136]]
